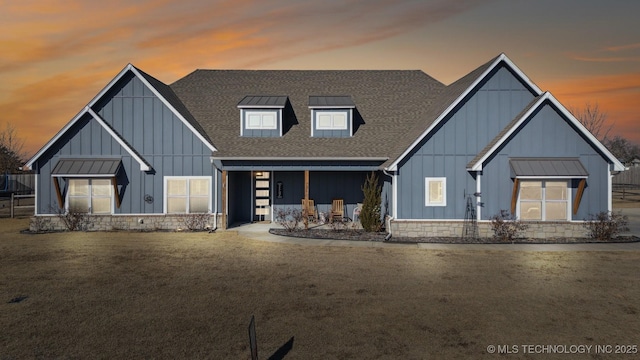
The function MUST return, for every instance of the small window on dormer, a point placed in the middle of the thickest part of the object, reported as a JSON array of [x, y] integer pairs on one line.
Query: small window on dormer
[[331, 116], [261, 120], [331, 120], [261, 116]]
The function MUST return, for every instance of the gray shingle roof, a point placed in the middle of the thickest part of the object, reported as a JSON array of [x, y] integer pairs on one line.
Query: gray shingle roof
[[387, 103]]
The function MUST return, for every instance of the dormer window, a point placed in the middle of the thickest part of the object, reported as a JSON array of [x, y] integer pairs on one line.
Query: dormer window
[[261, 116], [331, 116]]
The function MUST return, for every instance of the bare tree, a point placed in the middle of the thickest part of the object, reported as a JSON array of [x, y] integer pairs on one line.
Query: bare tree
[[594, 119], [623, 149], [12, 154]]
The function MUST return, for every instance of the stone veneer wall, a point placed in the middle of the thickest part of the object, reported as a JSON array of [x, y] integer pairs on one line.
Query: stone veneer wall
[[536, 230], [119, 222]]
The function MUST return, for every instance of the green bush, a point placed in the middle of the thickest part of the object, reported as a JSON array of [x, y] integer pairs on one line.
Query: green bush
[[370, 212]]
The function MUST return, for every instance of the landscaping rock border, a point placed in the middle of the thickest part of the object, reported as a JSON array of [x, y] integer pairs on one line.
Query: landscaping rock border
[[359, 235]]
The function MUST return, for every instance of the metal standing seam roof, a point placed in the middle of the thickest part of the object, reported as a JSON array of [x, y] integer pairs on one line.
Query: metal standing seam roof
[[88, 167], [552, 167], [263, 101], [343, 101]]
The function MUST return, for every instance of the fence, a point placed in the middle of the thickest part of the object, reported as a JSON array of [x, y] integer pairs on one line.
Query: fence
[[17, 183], [629, 177], [15, 203]]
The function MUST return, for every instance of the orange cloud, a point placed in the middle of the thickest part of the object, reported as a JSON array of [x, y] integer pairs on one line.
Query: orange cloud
[[617, 95]]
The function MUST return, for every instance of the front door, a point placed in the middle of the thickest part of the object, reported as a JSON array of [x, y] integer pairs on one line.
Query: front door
[[262, 196]]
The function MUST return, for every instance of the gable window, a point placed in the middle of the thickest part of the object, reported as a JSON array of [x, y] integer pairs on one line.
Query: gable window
[[187, 195], [436, 191], [261, 120], [544, 200], [333, 120], [93, 196]]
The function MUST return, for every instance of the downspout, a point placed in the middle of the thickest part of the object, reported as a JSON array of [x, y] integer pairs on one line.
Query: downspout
[[215, 204], [215, 191], [478, 195]]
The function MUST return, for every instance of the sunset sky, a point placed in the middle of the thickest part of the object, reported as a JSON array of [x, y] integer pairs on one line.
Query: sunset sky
[[55, 56]]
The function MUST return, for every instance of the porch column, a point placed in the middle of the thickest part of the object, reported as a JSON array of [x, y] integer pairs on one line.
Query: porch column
[[224, 199], [306, 198]]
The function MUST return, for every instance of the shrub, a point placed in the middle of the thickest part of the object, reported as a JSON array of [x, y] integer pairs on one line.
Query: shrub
[[370, 212], [337, 225], [606, 225], [195, 221], [288, 218], [506, 227], [73, 219]]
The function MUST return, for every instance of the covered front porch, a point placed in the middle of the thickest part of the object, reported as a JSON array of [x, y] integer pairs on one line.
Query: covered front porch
[[257, 194]]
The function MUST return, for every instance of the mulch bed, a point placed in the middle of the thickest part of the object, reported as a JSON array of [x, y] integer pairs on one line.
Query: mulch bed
[[359, 235]]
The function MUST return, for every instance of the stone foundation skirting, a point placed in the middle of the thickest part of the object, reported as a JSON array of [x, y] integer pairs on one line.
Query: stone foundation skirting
[[42, 223], [535, 230]]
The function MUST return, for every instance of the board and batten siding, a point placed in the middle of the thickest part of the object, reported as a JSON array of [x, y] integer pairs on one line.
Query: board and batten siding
[[150, 128], [546, 134], [459, 137]]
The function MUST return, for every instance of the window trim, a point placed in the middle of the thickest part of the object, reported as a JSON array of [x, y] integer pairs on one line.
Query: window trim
[[165, 195], [427, 200], [543, 200], [89, 195], [262, 113], [333, 113]]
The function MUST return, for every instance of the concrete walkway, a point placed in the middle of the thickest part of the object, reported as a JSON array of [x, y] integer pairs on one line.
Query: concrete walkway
[[260, 231]]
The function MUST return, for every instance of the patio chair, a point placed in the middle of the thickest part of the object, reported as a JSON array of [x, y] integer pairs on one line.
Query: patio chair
[[309, 210], [356, 212], [337, 209]]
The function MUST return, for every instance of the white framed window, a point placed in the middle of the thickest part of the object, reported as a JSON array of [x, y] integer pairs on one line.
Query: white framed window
[[187, 195], [261, 120], [544, 200], [435, 191], [331, 120], [92, 196]]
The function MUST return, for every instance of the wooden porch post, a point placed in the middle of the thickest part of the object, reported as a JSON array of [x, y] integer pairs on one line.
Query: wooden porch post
[[576, 202], [224, 199], [56, 185], [306, 198], [114, 182], [514, 196]]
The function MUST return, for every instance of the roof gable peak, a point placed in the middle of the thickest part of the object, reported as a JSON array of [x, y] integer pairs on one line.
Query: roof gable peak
[[487, 68]]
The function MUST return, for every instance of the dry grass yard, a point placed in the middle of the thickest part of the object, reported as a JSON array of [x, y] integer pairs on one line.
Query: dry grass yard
[[191, 295]]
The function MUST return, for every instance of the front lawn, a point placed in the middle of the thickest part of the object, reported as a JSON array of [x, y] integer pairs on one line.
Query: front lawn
[[191, 295]]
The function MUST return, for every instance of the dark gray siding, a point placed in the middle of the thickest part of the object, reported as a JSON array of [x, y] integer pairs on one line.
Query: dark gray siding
[[240, 197], [332, 133], [546, 134], [324, 186], [150, 127], [456, 141]]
